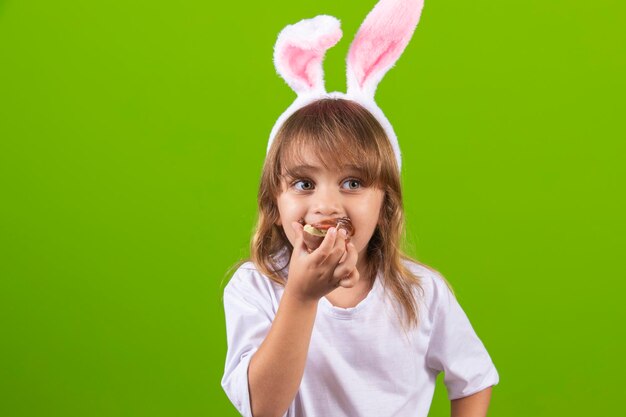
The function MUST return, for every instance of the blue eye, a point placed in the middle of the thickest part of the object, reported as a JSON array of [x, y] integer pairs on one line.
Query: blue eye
[[303, 185], [352, 184]]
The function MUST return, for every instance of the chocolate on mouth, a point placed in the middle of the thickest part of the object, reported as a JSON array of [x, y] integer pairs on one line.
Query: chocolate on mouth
[[314, 233]]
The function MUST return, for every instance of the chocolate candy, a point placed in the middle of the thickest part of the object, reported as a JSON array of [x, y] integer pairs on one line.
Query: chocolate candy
[[314, 233]]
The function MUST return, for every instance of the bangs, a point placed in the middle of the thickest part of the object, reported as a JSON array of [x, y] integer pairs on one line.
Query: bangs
[[335, 153], [338, 135]]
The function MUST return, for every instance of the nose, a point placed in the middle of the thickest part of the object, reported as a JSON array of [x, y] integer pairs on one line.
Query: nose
[[327, 202]]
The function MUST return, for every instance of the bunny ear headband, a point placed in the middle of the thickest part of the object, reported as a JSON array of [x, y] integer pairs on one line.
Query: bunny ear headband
[[381, 39]]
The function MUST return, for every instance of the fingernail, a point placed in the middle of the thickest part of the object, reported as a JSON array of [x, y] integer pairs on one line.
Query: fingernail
[[343, 233], [332, 230]]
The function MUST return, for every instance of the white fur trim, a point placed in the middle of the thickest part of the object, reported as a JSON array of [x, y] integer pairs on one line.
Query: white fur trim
[[299, 52]]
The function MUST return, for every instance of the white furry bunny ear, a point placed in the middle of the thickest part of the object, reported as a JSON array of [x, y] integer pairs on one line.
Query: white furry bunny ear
[[379, 43], [300, 50]]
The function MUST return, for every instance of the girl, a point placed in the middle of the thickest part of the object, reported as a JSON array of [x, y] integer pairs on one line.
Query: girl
[[354, 327]]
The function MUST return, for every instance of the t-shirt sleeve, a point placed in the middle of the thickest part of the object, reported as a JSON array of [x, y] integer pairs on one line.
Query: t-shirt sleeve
[[455, 348], [248, 320]]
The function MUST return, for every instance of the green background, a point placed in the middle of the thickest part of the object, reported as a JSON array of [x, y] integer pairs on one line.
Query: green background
[[132, 135]]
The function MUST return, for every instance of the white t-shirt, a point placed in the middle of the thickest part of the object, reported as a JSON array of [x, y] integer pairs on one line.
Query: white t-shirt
[[360, 360]]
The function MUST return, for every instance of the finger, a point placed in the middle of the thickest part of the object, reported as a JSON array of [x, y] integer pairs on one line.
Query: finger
[[334, 256], [338, 250], [351, 256], [350, 280], [326, 247], [342, 235]]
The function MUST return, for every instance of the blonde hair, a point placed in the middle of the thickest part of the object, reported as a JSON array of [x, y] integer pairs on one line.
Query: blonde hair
[[345, 133]]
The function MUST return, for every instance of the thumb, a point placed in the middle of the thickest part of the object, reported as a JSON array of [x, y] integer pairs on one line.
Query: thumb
[[299, 229]]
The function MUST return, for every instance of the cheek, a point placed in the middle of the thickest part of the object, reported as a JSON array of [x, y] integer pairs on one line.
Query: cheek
[[291, 237], [281, 206], [376, 207], [287, 211], [283, 220], [369, 214]]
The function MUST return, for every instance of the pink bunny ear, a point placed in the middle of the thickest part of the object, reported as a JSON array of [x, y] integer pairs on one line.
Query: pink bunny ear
[[380, 41], [300, 49]]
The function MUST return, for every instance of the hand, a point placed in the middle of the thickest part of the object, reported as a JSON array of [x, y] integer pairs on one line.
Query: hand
[[333, 264]]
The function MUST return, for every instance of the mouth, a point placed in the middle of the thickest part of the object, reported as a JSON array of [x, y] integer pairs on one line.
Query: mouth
[[315, 233]]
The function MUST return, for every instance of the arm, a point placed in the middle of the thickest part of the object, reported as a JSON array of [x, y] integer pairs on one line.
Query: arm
[[456, 350], [277, 367], [472, 406]]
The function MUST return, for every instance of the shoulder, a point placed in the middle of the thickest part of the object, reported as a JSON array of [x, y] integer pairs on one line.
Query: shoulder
[[248, 280], [433, 285], [250, 298]]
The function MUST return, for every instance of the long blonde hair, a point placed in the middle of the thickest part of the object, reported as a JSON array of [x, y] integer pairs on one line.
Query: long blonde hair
[[340, 132]]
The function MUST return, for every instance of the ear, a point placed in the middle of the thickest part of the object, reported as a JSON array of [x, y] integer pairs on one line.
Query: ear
[[300, 50], [380, 41]]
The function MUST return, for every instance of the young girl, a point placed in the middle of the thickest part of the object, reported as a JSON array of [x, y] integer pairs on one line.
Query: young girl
[[354, 327]]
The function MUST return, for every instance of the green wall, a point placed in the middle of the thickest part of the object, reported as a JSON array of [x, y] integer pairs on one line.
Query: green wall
[[132, 135]]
